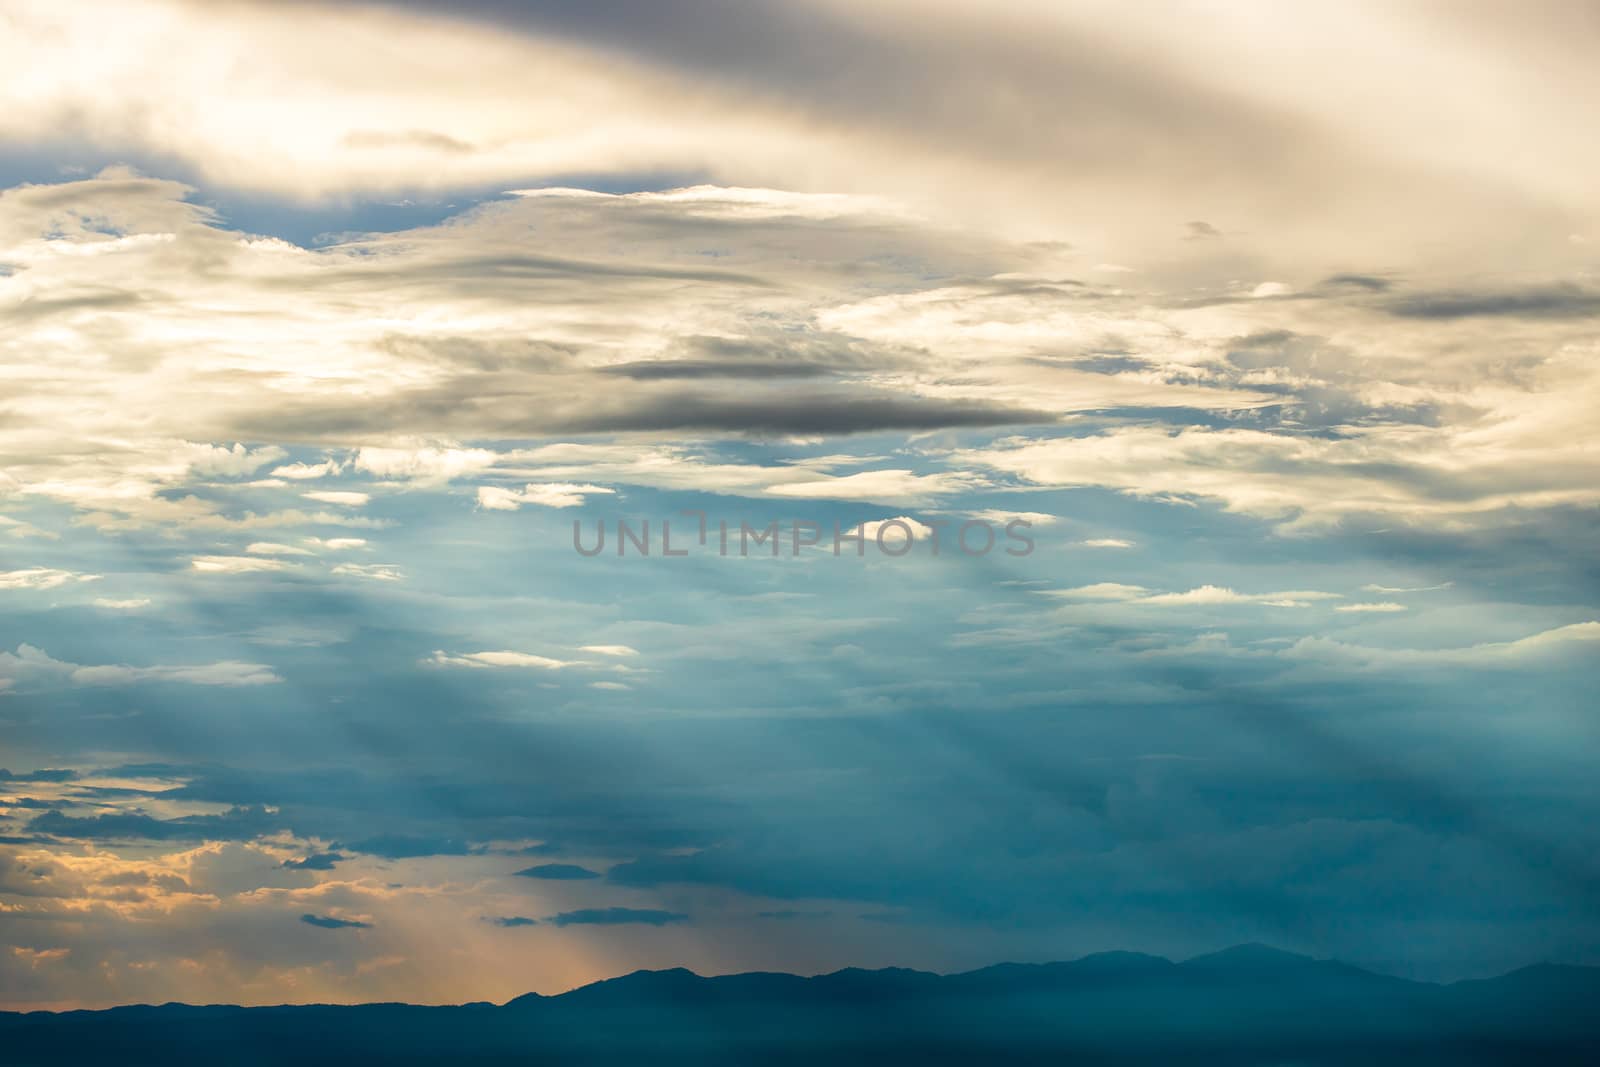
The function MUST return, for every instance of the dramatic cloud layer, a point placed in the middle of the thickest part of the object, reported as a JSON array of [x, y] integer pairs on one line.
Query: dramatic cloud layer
[[335, 337]]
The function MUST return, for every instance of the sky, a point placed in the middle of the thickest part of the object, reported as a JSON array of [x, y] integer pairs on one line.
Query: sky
[[1262, 339]]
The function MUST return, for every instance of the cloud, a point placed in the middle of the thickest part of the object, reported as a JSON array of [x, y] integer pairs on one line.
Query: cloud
[[425, 464], [1208, 595], [1551, 644], [1416, 474], [707, 368], [328, 922], [501, 658], [1099, 591], [561, 872], [1368, 282], [963, 343], [41, 578], [346, 302], [1000, 517], [616, 917], [19, 529], [913, 101], [549, 495], [1200, 596], [342, 497], [237, 461], [230, 673], [901, 486], [235, 824], [375, 572], [336, 544], [269, 548], [49, 774], [237, 565], [511, 921], [1380, 607], [304, 471], [32, 663], [1554, 301], [895, 532], [609, 650], [792, 915]]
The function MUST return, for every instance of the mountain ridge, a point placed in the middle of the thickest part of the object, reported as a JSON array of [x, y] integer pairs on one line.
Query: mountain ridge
[[1244, 1005], [1248, 954]]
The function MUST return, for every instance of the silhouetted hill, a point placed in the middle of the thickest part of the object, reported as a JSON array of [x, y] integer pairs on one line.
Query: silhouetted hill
[[1246, 1005]]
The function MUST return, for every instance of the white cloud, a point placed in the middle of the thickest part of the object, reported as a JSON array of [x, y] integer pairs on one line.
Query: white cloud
[[336, 544], [232, 462], [1201, 596], [226, 673], [900, 486], [237, 564], [376, 572], [610, 650], [128, 604], [307, 471], [894, 536], [41, 578], [1000, 517], [272, 548], [1380, 607], [19, 529], [501, 658], [1407, 589], [1218, 595], [424, 464], [1099, 591], [29, 662], [1573, 639], [548, 495], [1106, 542], [342, 497], [180, 390], [359, 99]]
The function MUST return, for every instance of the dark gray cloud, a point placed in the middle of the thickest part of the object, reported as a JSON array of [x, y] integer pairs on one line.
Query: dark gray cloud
[[760, 355], [652, 370], [316, 861], [1372, 283], [510, 272], [1561, 300], [409, 846], [46, 775], [328, 922], [237, 824], [558, 872], [617, 917], [794, 412], [511, 921], [791, 915], [488, 406], [1105, 364]]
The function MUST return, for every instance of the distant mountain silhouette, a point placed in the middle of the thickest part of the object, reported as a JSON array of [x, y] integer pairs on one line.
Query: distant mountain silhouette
[[1249, 1005]]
